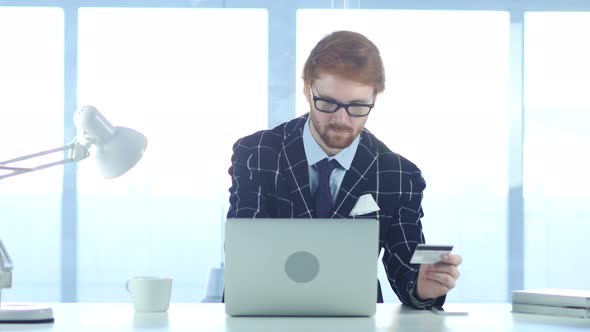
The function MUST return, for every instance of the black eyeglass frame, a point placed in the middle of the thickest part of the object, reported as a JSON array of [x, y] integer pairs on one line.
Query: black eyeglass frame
[[339, 105]]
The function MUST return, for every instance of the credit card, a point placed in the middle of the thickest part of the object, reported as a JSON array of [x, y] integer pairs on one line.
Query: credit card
[[429, 253]]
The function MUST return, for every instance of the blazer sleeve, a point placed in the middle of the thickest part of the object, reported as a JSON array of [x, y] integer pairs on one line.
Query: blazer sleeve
[[247, 196], [401, 239]]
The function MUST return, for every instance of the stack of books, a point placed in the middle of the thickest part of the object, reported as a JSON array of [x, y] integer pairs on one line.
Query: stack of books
[[555, 302]]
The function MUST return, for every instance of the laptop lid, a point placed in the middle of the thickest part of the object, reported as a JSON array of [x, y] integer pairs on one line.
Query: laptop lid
[[301, 267]]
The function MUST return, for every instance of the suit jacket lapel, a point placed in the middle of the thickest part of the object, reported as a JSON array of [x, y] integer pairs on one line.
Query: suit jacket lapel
[[356, 178], [294, 169]]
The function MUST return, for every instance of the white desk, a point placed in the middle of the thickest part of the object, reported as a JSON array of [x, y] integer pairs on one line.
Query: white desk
[[114, 317]]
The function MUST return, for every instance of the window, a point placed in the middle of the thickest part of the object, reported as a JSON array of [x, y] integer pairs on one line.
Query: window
[[31, 112], [193, 83], [445, 109], [556, 179], [193, 87]]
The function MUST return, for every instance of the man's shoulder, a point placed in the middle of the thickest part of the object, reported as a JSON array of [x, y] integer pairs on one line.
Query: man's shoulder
[[388, 159], [274, 138]]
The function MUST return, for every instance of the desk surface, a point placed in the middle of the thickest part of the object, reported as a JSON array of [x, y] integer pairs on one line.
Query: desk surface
[[192, 317]]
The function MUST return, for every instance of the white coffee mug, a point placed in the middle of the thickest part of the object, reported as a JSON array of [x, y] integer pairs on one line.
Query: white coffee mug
[[150, 294]]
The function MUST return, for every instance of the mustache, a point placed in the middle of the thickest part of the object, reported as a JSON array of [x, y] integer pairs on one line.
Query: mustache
[[339, 127]]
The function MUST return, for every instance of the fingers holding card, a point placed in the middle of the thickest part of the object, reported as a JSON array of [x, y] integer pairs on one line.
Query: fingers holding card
[[438, 271]]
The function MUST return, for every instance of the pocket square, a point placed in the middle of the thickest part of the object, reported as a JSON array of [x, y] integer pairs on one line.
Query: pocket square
[[365, 204]]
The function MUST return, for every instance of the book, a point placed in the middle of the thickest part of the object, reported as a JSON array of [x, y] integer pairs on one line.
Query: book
[[553, 297], [550, 310]]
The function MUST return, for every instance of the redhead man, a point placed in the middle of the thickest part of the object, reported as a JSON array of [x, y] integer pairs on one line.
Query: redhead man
[[319, 164]]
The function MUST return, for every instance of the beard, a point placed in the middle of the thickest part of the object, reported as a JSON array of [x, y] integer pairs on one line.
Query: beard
[[334, 136]]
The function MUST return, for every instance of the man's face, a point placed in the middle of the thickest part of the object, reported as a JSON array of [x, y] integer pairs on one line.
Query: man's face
[[335, 131]]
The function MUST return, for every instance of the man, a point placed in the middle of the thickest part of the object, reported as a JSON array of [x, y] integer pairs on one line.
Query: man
[[318, 165]]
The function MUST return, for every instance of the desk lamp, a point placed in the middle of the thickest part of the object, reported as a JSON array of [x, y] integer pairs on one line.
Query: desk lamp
[[117, 150]]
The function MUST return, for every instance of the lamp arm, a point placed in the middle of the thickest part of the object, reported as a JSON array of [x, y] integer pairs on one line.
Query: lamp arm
[[78, 150]]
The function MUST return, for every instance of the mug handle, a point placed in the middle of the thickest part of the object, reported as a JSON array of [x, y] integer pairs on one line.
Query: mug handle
[[127, 286]]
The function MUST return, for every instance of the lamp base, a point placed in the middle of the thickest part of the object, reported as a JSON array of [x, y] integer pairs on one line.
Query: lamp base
[[25, 314]]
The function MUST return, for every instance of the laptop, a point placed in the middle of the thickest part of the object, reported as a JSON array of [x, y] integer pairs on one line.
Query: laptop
[[301, 267]]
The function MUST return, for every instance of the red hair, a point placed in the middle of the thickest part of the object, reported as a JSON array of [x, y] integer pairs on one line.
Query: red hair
[[349, 55]]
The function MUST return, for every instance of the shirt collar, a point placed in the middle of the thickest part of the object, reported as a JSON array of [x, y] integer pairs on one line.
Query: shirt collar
[[315, 153]]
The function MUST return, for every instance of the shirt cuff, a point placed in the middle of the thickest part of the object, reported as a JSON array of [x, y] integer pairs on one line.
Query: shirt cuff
[[420, 304]]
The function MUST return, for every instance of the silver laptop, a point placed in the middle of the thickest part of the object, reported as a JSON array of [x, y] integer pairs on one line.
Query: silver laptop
[[301, 267]]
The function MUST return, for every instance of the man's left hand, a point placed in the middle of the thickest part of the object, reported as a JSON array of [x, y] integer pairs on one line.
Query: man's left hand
[[438, 279]]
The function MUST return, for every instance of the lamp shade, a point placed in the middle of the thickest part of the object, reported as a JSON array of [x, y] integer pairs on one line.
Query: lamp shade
[[118, 149], [120, 153]]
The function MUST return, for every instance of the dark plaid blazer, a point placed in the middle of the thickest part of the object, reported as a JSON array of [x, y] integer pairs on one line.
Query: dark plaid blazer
[[270, 179]]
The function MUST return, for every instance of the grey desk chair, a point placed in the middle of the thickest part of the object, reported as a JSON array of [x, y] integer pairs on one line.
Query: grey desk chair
[[214, 291]]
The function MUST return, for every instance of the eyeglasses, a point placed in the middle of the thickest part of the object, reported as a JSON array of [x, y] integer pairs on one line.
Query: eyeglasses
[[356, 110]]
